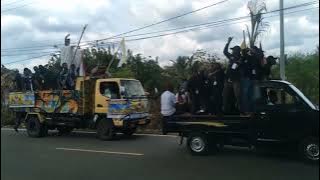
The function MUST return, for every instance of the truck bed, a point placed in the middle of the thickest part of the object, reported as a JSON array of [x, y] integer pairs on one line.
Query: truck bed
[[210, 123]]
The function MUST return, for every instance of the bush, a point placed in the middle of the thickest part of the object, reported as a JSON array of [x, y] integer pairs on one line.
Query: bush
[[7, 116]]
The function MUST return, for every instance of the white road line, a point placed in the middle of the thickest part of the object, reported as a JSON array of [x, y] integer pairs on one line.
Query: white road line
[[106, 152], [91, 132]]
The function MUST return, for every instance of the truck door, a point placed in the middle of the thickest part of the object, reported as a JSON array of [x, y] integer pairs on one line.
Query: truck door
[[280, 113], [105, 90]]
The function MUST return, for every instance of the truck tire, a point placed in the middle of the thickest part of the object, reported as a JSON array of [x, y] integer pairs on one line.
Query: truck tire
[[35, 128], [309, 150], [129, 132], [64, 130], [198, 144], [105, 130]]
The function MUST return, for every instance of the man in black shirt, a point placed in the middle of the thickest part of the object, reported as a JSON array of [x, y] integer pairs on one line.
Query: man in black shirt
[[194, 84], [232, 82], [28, 80], [216, 81], [63, 76], [246, 82], [72, 75], [267, 68], [18, 81]]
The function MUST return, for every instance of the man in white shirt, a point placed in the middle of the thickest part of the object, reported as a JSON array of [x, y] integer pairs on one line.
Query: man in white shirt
[[168, 103]]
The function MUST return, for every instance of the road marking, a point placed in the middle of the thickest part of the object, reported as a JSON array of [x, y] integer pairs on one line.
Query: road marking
[[91, 132], [105, 152]]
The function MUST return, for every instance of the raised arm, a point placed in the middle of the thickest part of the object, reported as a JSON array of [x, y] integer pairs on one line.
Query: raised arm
[[226, 47]]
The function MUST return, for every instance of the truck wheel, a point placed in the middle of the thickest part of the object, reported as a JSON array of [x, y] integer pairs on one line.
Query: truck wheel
[[64, 130], [198, 144], [129, 132], [309, 149], [105, 130], [35, 128]]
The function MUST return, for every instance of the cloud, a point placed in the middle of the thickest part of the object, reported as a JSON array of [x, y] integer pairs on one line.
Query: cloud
[[46, 23]]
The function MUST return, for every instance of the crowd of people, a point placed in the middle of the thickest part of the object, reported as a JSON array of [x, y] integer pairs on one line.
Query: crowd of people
[[217, 90], [38, 80]]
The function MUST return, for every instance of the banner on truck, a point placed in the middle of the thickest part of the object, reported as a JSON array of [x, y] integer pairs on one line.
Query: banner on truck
[[19, 99]]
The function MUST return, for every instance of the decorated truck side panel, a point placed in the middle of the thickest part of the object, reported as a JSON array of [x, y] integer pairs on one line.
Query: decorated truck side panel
[[66, 101]]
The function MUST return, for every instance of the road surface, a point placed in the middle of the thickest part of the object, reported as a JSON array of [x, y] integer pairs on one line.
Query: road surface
[[80, 156]]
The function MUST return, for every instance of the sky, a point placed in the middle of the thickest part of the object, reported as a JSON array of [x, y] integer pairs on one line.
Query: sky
[[41, 24]]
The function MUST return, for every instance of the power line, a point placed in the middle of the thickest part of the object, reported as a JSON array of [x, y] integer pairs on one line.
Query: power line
[[27, 59], [169, 19], [203, 24], [17, 7], [28, 53], [207, 27], [231, 19], [14, 2]]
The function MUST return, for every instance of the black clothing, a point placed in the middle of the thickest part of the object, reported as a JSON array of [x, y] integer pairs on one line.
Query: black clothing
[[216, 81], [19, 82], [233, 71], [194, 84]]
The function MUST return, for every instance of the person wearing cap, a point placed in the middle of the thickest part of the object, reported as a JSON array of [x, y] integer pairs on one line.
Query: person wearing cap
[[267, 67], [256, 56], [245, 82], [232, 82]]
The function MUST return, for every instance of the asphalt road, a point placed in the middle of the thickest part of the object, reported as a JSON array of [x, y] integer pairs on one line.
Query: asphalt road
[[80, 156]]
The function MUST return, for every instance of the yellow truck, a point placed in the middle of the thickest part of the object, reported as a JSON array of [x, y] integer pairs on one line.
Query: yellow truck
[[108, 105]]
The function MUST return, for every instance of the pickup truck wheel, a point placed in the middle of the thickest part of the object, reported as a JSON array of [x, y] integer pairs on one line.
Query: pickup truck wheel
[[309, 149], [35, 128], [198, 144], [105, 130]]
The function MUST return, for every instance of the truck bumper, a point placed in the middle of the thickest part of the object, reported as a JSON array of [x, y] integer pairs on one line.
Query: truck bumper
[[131, 123]]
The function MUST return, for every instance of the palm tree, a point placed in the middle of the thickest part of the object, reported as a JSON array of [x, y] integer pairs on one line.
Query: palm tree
[[257, 8]]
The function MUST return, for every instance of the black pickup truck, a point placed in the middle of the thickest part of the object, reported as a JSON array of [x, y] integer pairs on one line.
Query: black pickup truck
[[290, 121]]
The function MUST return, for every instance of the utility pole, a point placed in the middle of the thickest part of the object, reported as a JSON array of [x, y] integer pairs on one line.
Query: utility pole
[[282, 56], [75, 52]]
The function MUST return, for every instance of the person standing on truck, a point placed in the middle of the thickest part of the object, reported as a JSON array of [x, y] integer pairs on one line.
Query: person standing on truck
[[216, 80], [38, 79], [28, 79], [72, 75], [43, 73], [18, 81], [246, 82], [267, 68], [63, 76], [232, 82], [194, 90], [168, 106]]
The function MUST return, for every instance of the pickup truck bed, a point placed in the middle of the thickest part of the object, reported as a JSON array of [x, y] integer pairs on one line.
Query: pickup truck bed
[[209, 123]]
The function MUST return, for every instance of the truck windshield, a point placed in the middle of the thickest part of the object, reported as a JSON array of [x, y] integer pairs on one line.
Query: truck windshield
[[132, 88], [303, 96]]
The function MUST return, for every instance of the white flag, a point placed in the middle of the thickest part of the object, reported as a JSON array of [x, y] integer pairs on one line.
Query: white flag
[[123, 58]]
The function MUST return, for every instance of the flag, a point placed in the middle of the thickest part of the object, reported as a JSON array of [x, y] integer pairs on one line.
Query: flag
[[243, 44], [123, 58]]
